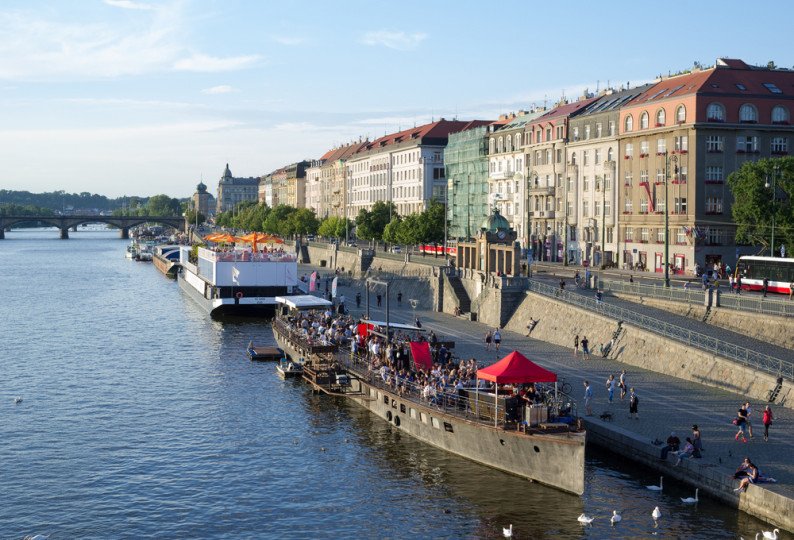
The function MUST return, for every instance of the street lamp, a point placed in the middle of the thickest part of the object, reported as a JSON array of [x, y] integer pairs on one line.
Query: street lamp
[[775, 170], [666, 262]]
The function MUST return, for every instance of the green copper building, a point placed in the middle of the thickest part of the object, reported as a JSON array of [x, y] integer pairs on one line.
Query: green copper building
[[466, 163]]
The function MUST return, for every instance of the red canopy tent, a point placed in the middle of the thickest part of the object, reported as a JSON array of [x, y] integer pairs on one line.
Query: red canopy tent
[[514, 368]]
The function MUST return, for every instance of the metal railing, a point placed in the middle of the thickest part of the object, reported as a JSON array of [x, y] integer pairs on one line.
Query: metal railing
[[741, 355], [695, 295]]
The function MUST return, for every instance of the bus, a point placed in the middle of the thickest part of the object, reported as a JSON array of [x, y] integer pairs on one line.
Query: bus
[[753, 270]]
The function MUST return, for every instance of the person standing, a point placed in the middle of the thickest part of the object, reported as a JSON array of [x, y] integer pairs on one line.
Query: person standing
[[634, 402], [585, 349], [697, 442], [378, 299], [731, 283], [488, 339], [497, 338], [622, 384], [399, 298], [765, 286], [741, 423], [576, 346], [588, 397], [767, 421], [791, 290], [358, 299], [749, 422], [611, 385]]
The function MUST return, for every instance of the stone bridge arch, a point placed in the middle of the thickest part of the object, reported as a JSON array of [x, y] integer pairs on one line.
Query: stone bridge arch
[[64, 223]]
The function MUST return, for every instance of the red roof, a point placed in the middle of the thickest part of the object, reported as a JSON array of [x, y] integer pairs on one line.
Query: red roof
[[516, 368], [342, 152], [440, 130]]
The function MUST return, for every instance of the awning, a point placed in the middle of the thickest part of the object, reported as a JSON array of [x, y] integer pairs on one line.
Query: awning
[[303, 301], [516, 368], [420, 352], [393, 325]]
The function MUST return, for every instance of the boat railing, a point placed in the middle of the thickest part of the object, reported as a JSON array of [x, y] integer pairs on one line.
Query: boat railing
[[300, 341], [481, 409], [246, 256]]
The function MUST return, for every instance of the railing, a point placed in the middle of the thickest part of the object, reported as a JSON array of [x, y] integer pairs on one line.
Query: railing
[[758, 304], [741, 355], [246, 256]]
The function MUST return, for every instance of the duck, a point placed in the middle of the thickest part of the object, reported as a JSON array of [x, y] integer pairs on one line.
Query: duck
[[508, 531], [770, 535], [690, 500], [656, 514], [616, 518], [659, 487], [584, 519], [18, 400]]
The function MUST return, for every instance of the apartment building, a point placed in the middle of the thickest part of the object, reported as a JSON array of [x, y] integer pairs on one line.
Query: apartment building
[[232, 191]]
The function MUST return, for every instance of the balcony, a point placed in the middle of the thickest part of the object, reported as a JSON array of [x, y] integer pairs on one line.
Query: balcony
[[542, 214], [541, 190]]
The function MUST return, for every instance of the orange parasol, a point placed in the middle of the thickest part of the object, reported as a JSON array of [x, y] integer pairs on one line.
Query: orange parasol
[[220, 238]]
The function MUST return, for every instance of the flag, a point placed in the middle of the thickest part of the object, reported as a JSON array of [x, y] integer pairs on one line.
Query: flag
[[333, 287], [235, 275], [313, 282]]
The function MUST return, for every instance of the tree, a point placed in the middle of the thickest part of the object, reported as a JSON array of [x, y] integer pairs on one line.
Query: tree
[[433, 222], [371, 224], [391, 233], [190, 217], [278, 222], [333, 227], [162, 205], [303, 221], [754, 209]]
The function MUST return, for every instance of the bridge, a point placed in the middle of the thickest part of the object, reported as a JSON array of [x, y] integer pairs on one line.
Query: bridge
[[64, 223]]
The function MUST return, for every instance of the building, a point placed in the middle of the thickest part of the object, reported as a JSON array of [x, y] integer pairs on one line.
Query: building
[[296, 184], [680, 140], [232, 191], [278, 182], [507, 186], [593, 165], [203, 200], [544, 146], [466, 163], [266, 190], [325, 181], [405, 168]]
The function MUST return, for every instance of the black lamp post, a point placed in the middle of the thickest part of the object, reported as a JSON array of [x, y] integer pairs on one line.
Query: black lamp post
[[775, 170]]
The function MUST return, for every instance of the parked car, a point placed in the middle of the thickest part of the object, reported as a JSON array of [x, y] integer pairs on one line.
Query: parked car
[[396, 249]]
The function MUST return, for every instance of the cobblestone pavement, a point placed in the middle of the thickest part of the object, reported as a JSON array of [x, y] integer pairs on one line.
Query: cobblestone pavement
[[666, 403], [723, 334]]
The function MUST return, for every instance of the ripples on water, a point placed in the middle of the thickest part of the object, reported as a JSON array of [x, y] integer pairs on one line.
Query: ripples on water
[[143, 418]]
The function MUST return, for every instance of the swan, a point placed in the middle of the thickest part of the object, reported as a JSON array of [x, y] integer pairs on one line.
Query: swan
[[770, 535], [615, 517], [18, 400], [584, 519], [690, 500], [659, 487], [508, 532], [37, 537], [656, 514]]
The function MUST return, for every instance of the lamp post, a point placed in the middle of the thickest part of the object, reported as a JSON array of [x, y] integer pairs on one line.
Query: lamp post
[[775, 170], [666, 262]]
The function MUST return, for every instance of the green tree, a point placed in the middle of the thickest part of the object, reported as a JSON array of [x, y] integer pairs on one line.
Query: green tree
[[409, 232], [278, 222], [162, 205], [303, 221], [433, 222], [190, 217], [334, 227], [754, 210], [371, 224], [391, 233]]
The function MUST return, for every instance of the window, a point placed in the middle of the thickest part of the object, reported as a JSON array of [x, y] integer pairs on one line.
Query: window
[[659, 176], [518, 140], [680, 114], [559, 180], [569, 208], [628, 124], [573, 158], [611, 128], [597, 208], [585, 183], [779, 145], [576, 133], [659, 235], [585, 208], [559, 155], [661, 146], [772, 88], [779, 115], [714, 143], [680, 205], [644, 234], [607, 208], [560, 131], [491, 146], [509, 144], [627, 178], [643, 206], [748, 114], [644, 120], [548, 134], [659, 204], [587, 132], [570, 184], [629, 234], [628, 206], [714, 205], [715, 112], [660, 117], [682, 144], [598, 129], [548, 156], [597, 156], [714, 236], [500, 145], [680, 235], [629, 150], [714, 174], [610, 234], [607, 182], [644, 148], [682, 175], [585, 155], [644, 176], [746, 144], [610, 155]]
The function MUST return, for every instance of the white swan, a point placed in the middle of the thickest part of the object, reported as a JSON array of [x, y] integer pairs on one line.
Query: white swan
[[659, 487], [690, 500], [770, 535], [615, 517], [584, 519], [508, 533], [18, 400], [656, 514]]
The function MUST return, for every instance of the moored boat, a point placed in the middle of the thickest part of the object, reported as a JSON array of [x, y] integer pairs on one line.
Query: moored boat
[[166, 260], [289, 369], [264, 353]]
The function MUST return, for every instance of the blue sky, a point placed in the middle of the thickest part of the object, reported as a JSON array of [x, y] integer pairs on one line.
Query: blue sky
[[144, 97]]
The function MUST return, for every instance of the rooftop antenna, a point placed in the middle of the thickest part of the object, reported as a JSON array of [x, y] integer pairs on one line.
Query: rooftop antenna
[[597, 84]]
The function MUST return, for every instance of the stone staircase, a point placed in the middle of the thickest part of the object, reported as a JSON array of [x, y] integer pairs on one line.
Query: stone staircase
[[464, 302]]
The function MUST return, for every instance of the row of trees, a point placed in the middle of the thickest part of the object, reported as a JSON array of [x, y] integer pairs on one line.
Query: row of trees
[[756, 211], [57, 201], [282, 220], [157, 205], [11, 209]]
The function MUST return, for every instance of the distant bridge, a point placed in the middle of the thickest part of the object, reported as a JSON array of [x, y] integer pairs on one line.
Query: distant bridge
[[64, 223]]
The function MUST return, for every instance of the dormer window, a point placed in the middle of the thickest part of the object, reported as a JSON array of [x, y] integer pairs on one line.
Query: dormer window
[[748, 114]]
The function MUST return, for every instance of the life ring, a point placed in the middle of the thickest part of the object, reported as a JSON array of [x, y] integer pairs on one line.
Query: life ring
[[238, 295]]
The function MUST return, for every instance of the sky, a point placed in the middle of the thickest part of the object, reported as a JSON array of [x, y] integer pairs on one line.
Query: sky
[[123, 97]]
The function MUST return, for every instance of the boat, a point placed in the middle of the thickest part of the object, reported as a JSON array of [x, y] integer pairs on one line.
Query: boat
[[166, 260], [132, 251], [473, 426], [264, 353], [289, 369], [237, 281]]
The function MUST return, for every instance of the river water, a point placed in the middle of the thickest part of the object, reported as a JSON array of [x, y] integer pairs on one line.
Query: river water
[[141, 417]]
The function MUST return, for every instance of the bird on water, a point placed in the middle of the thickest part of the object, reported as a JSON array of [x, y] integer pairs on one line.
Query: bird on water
[[659, 487], [508, 531]]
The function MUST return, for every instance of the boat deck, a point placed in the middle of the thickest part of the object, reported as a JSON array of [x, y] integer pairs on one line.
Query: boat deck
[[265, 353]]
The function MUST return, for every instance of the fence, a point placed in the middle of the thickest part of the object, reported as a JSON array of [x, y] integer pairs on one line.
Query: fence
[[695, 295], [741, 355]]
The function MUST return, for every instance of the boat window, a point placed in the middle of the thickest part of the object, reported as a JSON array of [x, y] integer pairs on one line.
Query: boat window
[[402, 408], [386, 400], [413, 413], [393, 404], [423, 417], [448, 427], [435, 422]]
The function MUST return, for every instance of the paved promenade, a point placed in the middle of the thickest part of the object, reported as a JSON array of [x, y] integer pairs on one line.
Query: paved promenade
[[666, 403]]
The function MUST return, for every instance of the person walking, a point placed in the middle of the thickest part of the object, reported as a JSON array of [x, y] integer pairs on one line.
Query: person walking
[[378, 299], [611, 385], [497, 338], [634, 402], [488, 339], [697, 442], [765, 286], [791, 290], [399, 298], [741, 422], [749, 422], [576, 346], [588, 397], [585, 349], [358, 299], [767, 421]]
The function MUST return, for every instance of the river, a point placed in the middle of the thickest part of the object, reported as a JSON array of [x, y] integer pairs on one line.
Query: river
[[141, 417]]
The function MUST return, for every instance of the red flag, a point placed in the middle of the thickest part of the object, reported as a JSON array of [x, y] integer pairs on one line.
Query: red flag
[[313, 282]]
